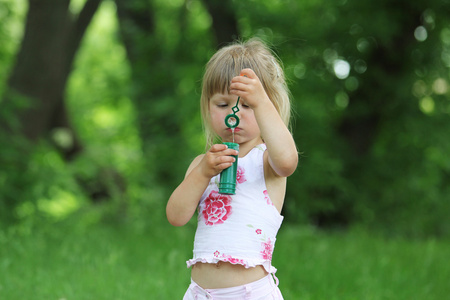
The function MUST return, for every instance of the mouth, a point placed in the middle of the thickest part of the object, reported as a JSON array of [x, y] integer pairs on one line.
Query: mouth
[[236, 129]]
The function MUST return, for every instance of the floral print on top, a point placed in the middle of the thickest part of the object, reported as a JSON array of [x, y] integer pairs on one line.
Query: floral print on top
[[217, 208], [240, 228], [266, 196], [240, 175], [267, 250], [267, 245]]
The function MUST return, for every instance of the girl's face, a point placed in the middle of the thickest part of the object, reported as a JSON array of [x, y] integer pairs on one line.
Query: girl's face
[[220, 105]]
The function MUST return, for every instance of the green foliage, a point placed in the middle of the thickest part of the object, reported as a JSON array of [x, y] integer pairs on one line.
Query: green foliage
[[370, 87], [12, 15], [396, 78]]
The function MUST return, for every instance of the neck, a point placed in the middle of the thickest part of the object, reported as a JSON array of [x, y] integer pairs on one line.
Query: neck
[[245, 148]]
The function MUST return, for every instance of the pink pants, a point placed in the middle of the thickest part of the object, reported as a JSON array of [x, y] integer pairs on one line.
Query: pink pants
[[263, 289]]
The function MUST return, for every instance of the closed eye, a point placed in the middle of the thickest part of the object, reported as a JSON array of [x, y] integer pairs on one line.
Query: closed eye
[[222, 105]]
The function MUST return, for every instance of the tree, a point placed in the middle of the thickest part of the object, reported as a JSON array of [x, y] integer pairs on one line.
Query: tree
[[33, 105], [224, 22], [51, 39]]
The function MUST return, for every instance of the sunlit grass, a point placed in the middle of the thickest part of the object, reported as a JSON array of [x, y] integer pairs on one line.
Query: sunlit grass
[[148, 262], [357, 265], [101, 263]]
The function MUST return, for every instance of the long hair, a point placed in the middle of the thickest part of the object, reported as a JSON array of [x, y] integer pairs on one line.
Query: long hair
[[228, 62]]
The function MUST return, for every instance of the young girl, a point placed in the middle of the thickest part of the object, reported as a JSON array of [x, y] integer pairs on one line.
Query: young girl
[[236, 234]]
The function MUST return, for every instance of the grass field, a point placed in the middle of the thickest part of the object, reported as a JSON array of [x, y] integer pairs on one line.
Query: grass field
[[112, 262]]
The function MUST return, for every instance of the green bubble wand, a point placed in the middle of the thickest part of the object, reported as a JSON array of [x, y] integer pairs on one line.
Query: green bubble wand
[[232, 120], [227, 183]]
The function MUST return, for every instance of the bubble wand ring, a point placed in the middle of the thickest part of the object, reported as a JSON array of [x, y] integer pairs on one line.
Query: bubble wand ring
[[232, 120]]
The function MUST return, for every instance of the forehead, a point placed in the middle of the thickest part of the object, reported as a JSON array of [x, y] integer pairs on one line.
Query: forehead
[[223, 97], [219, 81]]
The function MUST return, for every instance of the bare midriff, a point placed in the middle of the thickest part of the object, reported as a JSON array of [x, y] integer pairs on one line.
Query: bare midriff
[[225, 275]]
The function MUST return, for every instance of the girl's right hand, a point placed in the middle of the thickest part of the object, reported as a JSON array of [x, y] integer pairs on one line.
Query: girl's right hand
[[216, 159]]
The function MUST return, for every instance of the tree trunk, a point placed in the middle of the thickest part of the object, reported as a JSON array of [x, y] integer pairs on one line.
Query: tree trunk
[[224, 21], [33, 104], [51, 39]]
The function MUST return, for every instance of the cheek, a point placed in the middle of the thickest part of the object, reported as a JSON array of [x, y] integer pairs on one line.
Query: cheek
[[214, 114], [251, 123], [250, 118], [216, 118]]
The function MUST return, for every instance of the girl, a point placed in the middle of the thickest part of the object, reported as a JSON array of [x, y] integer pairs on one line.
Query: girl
[[235, 234]]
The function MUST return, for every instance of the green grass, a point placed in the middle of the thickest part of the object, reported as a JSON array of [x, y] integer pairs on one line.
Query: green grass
[[112, 262], [357, 265]]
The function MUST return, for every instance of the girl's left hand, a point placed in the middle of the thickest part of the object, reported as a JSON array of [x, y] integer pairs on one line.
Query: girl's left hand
[[249, 88]]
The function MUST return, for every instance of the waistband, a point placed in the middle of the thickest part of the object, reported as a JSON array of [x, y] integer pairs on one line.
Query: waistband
[[257, 289]]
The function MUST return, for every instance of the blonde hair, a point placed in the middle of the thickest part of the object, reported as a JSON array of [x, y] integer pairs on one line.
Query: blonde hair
[[228, 62]]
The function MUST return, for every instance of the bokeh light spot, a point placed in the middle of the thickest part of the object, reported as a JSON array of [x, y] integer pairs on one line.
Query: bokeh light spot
[[440, 86], [341, 99], [341, 68], [426, 105], [421, 34]]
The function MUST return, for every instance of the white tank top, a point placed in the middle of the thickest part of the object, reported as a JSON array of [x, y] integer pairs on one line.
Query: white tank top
[[241, 228]]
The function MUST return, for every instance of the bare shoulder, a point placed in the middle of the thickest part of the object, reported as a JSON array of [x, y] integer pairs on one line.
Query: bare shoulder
[[276, 185]]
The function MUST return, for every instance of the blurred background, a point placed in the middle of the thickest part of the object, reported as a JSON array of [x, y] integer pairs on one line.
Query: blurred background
[[100, 118]]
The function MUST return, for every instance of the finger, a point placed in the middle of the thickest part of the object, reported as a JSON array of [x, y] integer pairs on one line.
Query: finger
[[218, 148], [240, 93], [244, 76], [230, 152], [224, 162], [224, 166], [225, 159], [248, 73], [236, 85]]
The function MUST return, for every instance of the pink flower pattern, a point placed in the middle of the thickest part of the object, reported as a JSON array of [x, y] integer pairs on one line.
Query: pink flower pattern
[[266, 196], [233, 260], [229, 258], [217, 208], [240, 175], [267, 250]]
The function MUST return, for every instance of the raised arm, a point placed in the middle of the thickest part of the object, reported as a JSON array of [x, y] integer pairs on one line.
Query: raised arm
[[283, 156]]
